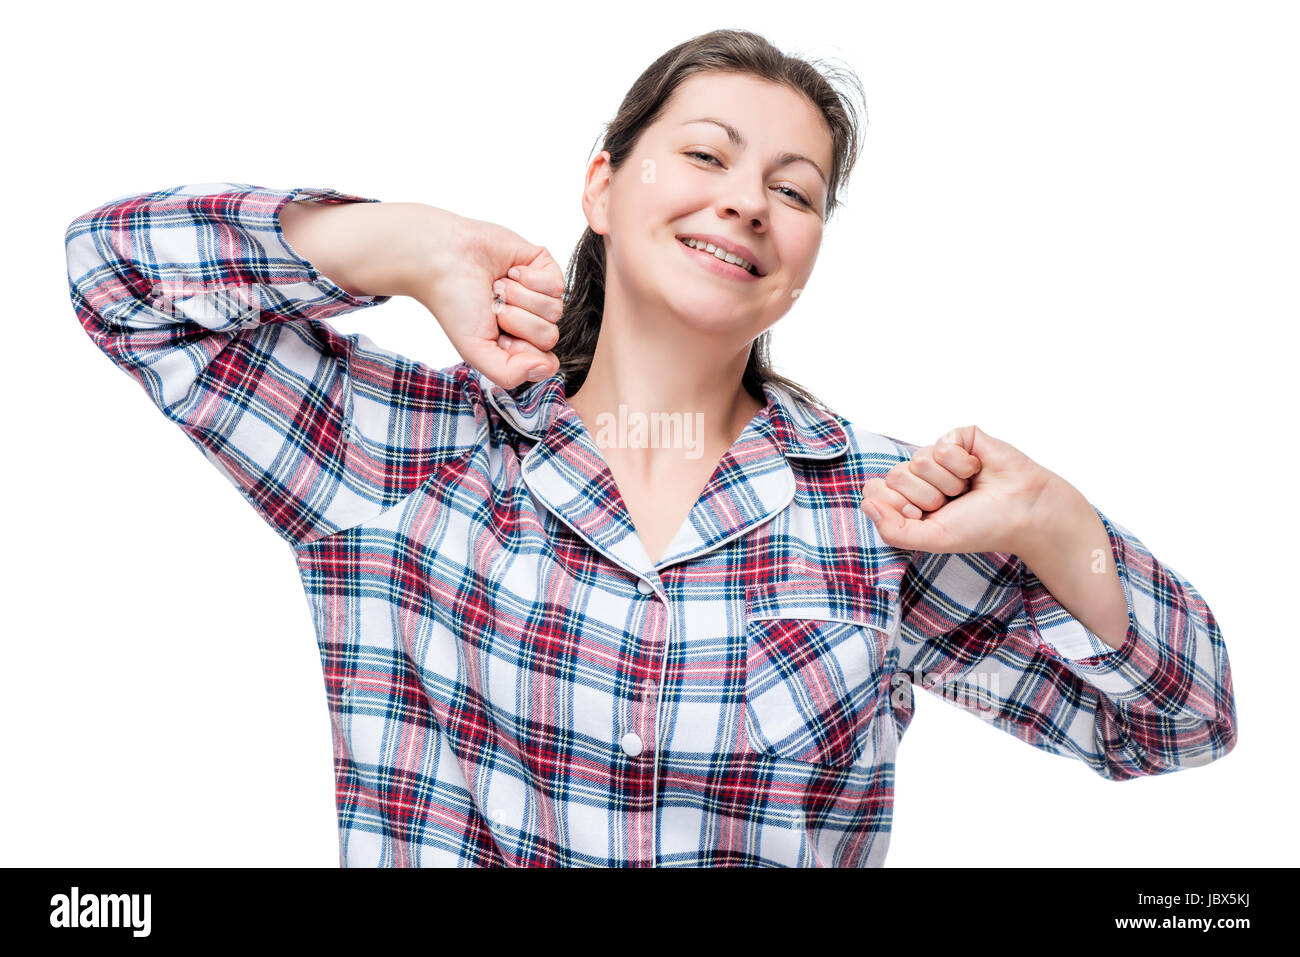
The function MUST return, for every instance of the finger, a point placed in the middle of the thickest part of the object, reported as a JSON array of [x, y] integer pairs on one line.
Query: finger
[[954, 457], [926, 467], [538, 303], [525, 325], [543, 276], [963, 437], [900, 532], [877, 489], [509, 369], [917, 490], [514, 346]]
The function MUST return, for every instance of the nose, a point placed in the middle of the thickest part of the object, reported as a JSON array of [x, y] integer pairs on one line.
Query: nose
[[746, 204]]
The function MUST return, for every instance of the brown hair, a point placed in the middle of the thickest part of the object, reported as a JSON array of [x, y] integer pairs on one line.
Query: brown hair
[[729, 51]]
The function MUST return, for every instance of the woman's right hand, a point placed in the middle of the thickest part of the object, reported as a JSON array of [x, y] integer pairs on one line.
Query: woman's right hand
[[501, 326]]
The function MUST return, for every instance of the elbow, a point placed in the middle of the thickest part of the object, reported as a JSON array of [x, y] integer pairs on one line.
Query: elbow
[[83, 259], [1151, 745]]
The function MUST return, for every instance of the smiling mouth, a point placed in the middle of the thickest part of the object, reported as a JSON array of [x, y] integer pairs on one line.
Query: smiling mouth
[[725, 257]]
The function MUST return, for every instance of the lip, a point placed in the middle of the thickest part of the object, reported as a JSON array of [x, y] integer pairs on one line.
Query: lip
[[719, 267], [728, 245]]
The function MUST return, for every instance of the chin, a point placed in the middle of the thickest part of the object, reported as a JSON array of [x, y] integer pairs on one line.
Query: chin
[[712, 314]]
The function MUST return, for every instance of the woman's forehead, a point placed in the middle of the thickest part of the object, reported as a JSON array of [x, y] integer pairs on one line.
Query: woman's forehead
[[748, 109]]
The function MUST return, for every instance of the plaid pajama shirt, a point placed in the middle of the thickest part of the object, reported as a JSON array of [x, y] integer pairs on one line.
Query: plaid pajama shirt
[[511, 680]]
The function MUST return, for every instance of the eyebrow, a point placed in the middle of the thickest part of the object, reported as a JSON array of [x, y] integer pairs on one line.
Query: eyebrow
[[738, 141]]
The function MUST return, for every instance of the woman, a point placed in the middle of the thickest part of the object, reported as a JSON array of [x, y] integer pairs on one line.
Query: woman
[[546, 644]]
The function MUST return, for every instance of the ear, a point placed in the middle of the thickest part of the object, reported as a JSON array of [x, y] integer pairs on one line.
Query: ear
[[595, 193]]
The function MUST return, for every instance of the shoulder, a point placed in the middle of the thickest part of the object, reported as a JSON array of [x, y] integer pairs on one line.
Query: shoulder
[[834, 457], [866, 443], [869, 452]]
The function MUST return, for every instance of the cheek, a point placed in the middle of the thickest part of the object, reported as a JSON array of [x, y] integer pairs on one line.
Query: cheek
[[799, 256], [799, 246], [642, 215]]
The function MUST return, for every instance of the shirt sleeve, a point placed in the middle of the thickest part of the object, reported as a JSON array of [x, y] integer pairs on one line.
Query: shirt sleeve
[[196, 294], [983, 633]]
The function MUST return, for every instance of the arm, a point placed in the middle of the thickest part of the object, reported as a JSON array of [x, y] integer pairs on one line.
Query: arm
[[197, 294], [369, 249], [986, 628], [1067, 548]]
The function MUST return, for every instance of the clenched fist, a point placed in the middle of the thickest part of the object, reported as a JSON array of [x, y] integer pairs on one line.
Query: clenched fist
[[966, 493]]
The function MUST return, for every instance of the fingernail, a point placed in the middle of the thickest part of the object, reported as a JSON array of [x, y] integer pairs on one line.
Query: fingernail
[[499, 288], [514, 272], [911, 511], [871, 510], [537, 373]]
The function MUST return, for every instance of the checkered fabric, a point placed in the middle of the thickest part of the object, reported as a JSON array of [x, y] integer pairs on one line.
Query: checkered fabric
[[511, 680]]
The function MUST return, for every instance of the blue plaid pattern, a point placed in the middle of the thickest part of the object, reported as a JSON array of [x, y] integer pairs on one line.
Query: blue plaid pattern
[[511, 680]]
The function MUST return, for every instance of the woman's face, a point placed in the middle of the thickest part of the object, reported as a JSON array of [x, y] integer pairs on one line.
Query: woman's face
[[691, 176]]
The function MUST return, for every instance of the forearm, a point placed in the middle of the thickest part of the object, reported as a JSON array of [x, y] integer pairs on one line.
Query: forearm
[[1068, 549], [368, 249]]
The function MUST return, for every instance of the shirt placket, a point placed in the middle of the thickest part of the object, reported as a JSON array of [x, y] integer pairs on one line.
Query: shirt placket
[[640, 742], [566, 473]]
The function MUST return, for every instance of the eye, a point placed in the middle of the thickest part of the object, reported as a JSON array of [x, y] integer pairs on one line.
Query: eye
[[795, 194], [790, 191]]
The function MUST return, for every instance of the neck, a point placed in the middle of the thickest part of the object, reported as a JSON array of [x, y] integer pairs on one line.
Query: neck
[[693, 381]]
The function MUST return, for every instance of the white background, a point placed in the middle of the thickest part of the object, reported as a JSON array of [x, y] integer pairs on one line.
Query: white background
[[1073, 224]]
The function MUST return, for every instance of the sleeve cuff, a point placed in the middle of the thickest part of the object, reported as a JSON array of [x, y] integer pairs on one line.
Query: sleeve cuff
[[1125, 674], [326, 289]]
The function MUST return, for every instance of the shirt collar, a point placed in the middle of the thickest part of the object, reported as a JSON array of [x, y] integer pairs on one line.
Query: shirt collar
[[753, 482], [799, 428]]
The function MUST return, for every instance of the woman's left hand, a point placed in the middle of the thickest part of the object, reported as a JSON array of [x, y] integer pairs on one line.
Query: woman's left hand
[[967, 493]]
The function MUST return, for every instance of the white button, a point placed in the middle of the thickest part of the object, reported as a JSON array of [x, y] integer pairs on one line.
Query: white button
[[499, 815], [648, 688], [644, 587], [631, 744]]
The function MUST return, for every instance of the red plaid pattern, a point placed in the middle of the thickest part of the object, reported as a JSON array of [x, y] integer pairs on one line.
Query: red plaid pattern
[[512, 681]]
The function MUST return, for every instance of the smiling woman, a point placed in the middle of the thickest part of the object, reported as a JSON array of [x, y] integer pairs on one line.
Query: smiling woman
[[705, 213], [723, 121], [543, 647]]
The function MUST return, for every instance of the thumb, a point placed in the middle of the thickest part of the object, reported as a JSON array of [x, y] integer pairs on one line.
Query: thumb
[[520, 252], [540, 258]]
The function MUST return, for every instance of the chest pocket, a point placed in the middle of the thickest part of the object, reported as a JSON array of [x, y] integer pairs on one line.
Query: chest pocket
[[813, 669]]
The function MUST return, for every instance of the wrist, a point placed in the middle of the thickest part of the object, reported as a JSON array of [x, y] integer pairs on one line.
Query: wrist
[[370, 249], [1051, 508], [398, 249], [426, 244]]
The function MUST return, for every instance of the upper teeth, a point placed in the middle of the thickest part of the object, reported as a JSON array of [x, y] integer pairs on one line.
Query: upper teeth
[[721, 254]]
